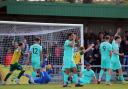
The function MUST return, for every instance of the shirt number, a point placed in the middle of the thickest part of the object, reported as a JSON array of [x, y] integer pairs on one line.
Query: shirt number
[[104, 48], [35, 50]]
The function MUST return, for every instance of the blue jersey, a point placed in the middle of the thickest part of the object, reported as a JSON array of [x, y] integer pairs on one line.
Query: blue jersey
[[43, 79], [35, 52], [105, 49], [87, 76]]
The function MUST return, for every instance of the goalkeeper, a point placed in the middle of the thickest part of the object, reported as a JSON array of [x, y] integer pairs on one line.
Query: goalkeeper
[[40, 77]]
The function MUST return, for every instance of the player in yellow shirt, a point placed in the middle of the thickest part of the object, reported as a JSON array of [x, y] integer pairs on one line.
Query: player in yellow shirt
[[78, 55], [14, 63]]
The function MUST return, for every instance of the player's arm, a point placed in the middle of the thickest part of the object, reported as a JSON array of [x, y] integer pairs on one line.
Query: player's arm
[[118, 31], [94, 80], [73, 41], [89, 48], [117, 53]]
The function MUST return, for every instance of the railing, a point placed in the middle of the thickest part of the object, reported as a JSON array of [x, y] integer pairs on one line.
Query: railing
[[83, 1]]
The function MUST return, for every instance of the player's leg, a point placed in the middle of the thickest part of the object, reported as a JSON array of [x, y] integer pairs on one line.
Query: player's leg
[[101, 74], [19, 67], [103, 64], [120, 77], [108, 76], [31, 80], [108, 71], [75, 74], [12, 68], [66, 75]]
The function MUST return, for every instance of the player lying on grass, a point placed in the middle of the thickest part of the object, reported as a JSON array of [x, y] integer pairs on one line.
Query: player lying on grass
[[14, 63], [87, 76], [78, 56], [40, 77], [116, 65], [106, 53]]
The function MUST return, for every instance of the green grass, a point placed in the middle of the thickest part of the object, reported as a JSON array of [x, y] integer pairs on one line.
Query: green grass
[[59, 86]]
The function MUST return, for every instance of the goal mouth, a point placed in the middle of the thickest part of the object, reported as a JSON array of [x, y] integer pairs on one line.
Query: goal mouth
[[52, 35]]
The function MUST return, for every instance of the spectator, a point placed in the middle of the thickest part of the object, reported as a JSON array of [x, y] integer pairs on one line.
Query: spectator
[[8, 57], [124, 48], [96, 56], [101, 36], [25, 51]]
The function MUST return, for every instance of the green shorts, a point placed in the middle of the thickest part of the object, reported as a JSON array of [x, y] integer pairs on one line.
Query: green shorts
[[15, 66], [78, 67]]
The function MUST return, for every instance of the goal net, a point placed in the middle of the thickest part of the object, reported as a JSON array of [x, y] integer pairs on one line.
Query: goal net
[[52, 35]]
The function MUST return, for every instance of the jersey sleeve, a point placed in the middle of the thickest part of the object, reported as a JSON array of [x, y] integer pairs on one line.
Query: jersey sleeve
[[67, 42], [93, 73]]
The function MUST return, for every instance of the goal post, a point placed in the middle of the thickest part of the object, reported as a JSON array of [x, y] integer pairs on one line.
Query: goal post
[[53, 36]]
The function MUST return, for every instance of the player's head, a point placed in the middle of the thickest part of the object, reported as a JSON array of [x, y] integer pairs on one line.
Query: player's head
[[21, 45], [88, 66], [117, 39], [81, 50], [37, 40], [107, 38], [70, 36]]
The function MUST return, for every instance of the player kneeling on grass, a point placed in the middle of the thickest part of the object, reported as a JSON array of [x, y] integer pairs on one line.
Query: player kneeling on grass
[[14, 63], [78, 55], [88, 76], [41, 77]]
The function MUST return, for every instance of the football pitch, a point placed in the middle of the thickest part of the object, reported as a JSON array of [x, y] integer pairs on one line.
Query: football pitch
[[59, 86]]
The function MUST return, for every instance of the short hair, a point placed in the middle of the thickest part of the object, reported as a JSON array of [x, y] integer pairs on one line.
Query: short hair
[[37, 39], [81, 48], [88, 64], [107, 37], [20, 44], [69, 34], [117, 37]]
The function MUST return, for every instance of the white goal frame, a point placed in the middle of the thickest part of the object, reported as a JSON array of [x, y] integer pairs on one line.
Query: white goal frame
[[51, 24]]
